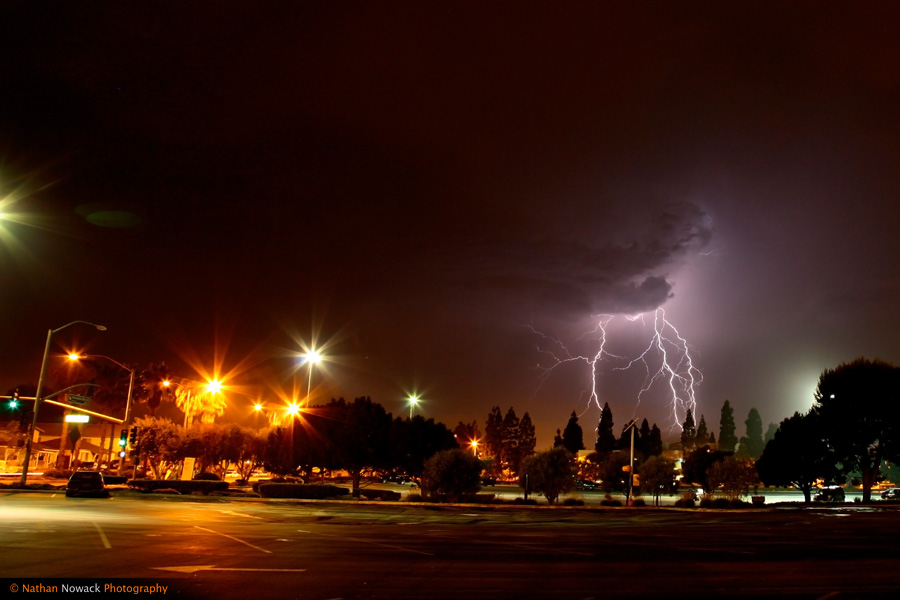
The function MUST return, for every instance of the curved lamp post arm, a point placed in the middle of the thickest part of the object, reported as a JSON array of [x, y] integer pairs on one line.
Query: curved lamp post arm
[[40, 389]]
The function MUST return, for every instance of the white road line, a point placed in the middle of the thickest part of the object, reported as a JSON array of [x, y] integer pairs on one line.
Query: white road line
[[235, 539], [401, 548], [105, 541], [237, 514]]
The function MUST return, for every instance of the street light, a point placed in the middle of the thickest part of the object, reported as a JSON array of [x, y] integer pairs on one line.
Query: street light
[[312, 358], [127, 421], [413, 400], [474, 444], [40, 388], [632, 426]]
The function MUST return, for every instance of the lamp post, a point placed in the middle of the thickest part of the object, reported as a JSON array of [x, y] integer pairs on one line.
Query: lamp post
[[631, 463], [293, 410], [312, 358], [40, 388], [413, 400]]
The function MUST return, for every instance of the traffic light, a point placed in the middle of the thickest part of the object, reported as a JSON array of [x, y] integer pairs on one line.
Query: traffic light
[[123, 438], [133, 437], [14, 401]]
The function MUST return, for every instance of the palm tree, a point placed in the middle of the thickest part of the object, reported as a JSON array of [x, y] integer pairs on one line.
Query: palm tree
[[199, 402]]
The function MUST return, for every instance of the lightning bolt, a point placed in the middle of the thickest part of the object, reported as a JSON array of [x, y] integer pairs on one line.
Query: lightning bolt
[[665, 361]]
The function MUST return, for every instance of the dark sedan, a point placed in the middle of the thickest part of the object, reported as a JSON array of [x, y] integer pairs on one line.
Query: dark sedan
[[87, 483]]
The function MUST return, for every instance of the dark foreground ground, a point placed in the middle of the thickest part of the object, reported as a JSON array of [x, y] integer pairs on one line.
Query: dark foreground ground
[[216, 548]]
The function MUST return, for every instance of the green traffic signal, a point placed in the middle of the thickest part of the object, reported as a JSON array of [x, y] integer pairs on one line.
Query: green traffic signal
[[13, 404]]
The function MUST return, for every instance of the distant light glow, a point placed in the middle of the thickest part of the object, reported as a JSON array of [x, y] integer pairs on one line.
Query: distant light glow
[[214, 386], [77, 418]]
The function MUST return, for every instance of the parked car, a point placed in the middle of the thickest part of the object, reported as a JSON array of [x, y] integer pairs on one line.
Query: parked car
[[891, 494], [830, 493], [87, 483], [584, 484]]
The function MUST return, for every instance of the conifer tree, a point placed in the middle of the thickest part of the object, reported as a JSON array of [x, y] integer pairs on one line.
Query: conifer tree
[[573, 437], [688, 432], [727, 437], [606, 439]]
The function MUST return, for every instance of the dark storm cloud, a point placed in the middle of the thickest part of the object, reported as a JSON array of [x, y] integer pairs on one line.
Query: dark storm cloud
[[578, 277]]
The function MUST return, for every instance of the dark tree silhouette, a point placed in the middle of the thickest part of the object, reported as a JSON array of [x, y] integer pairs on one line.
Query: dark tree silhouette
[[527, 439], [551, 473], [797, 455], [688, 432], [573, 436], [859, 408], [606, 439], [493, 438], [752, 444], [697, 464], [702, 437], [727, 436]]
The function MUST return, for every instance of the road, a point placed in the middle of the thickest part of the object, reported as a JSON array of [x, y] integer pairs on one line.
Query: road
[[216, 548]]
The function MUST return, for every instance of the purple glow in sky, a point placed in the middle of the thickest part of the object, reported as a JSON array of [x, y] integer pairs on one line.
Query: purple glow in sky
[[420, 185]]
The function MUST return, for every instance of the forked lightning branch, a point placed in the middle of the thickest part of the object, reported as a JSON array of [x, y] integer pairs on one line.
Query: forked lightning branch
[[665, 361]]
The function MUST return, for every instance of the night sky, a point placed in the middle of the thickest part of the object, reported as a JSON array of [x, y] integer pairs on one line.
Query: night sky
[[431, 193]]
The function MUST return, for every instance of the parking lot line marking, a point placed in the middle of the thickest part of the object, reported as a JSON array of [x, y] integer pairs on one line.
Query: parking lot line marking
[[401, 548], [195, 568], [230, 537], [105, 541]]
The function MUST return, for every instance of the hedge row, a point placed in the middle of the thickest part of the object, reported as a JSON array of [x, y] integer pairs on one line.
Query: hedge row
[[182, 487], [305, 491]]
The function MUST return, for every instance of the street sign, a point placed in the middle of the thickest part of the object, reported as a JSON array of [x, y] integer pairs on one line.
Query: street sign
[[79, 400]]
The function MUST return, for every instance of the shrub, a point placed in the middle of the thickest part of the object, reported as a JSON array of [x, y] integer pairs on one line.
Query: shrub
[[684, 503], [182, 487], [54, 473], [609, 501], [306, 491], [206, 477], [528, 502], [380, 495], [639, 502]]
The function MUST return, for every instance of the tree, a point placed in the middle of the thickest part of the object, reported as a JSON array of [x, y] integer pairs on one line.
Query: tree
[[161, 442], [199, 402], [612, 477], [702, 437], [466, 433], [797, 455], [654, 445], [452, 473], [356, 435], [642, 440], [752, 444], [493, 437], [735, 476], [688, 432], [510, 455], [859, 408], [657, 476], [550, 473], [770, 432], [416, 440], [727, 437], [697, 464], [557, 439], [606, 439], [573, 437], [150, 389], [527, 439]]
